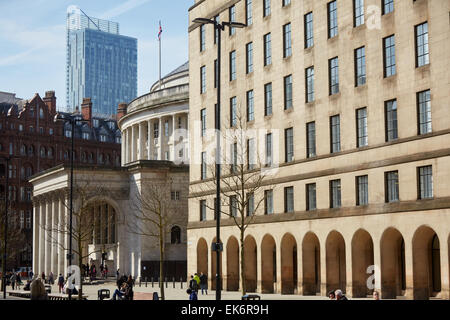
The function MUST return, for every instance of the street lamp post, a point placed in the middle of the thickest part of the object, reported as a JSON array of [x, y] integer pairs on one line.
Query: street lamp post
[[72, 121], [7, 159], [218, 246]]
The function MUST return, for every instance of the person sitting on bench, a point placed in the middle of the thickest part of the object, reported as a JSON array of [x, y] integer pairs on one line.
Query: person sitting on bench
[[120, 293]]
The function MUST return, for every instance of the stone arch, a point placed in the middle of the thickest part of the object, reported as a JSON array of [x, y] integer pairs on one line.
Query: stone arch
[[214, 268], [250, 261], [289, 272], [202, 256], [268, 264], [393, 274], [362, 258], [311, 264], [335, 262], [426, 263], [232, 264]]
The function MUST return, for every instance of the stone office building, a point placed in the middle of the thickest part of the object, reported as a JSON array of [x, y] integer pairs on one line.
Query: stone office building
[[355, 96], [112, 197]]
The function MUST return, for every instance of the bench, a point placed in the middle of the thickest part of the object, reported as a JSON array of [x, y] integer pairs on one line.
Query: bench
[[251, 297], [63, 296], [20, 294]]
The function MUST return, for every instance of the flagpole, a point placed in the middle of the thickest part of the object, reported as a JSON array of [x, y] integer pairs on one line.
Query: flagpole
[[160, 56]]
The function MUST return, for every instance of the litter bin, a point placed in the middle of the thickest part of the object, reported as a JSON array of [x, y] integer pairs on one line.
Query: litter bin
[[103, 293], [251, 297]]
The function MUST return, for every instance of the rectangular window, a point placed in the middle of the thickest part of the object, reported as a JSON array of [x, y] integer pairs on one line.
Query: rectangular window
[[234, 158], [388, 6], [249, 57], [392, 189], [425, 182], [249, 12], [361, 127], [288, 92], [335, 130], [268, 202], [233, 65], [424, 111], [289, 144], [203, 120], [422, 50], [332, 19], [156, 130], [309, 30], [311, 203], [203, 166], [233, 112], [203, 79], [233, 206], [250, 204], [362, 190], [250, 106], [269, 149], [251, 154], [311, 139], [287, 43], [267, 50], [289, 199], [286, 2], [333, 73], [166, 128], [232, 18], [309, 75], [335, 193], [389, 56], [358, 12], [202, 38], [391, 120], [268, 99], [266, 11], [202, 210], [360, 66]]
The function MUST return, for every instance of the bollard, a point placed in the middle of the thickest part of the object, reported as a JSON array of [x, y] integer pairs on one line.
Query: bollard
[[173, 279], [165, 280], [152, 282], [159, 282], [146, 282], [181, 281], [140, 280]]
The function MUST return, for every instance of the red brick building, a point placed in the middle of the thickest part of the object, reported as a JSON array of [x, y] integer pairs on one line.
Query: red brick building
[[29, 134]]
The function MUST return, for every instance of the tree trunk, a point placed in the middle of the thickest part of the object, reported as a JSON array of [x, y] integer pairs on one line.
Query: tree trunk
[[161, 262], [244, 285], [80, 264]]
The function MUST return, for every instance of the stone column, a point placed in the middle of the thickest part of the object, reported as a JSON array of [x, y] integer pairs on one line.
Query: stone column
[[54, 249], [36, 214], [299, 268], [141, 141], [323, 268], [48, 239], [42, 213], [377, 264], [278, 257], [133, 144], [160, 150], [348, 268], [149, 140], [172, 148], [66, 213], [122, 149], [444, 250], [259, 271], [409, 292], [61, 228]]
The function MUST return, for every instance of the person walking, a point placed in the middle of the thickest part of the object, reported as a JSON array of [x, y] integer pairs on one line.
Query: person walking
[[43, 276], [61, 283], [193, 285], [18, 281], [13, 280], [192, 294], [51, 278], [204, 282], [339, 295]]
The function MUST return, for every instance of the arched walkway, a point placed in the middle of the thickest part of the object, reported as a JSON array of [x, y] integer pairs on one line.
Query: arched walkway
[[289, 274], [268, 264], [232, 264], [202, 256], [362, 258], [311, 264], [426, 263], [250, 264], [393, 278], [335, 260]]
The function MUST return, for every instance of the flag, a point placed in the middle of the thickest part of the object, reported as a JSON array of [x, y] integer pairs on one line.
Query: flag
[[160, 31]]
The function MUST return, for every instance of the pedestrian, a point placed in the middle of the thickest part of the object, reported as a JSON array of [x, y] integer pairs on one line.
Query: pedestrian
[[192, 294], [193, 285], [18, 281], [51, 279], [120, 292], [339, 295], [331, 295], [43, 276], [30, 274], [13, 280], [376, 295], [61, 283], [106, 271], [129, 292], [117, 275], [204, 282]]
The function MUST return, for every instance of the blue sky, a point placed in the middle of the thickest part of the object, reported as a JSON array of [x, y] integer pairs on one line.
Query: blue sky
[[33, 40]]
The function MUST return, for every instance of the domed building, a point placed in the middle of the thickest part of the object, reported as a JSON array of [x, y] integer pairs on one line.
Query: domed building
[[118, 206]]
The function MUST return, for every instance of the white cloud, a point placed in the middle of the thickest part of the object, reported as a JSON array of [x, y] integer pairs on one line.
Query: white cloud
[[123, 8]]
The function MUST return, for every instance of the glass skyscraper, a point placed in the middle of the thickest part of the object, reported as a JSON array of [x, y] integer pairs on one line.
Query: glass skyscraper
[[101, 63]]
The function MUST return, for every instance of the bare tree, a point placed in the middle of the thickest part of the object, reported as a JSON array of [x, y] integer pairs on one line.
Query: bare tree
[[153, 213], [87, 195], [242, 187]]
